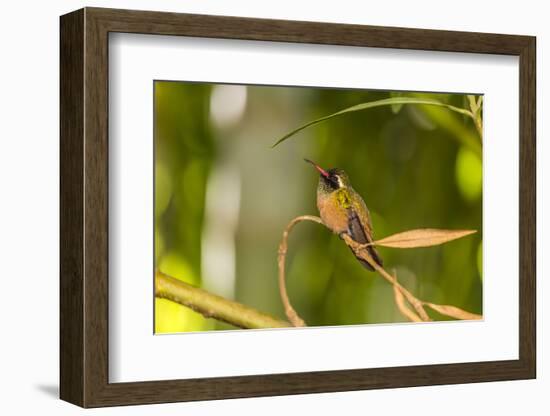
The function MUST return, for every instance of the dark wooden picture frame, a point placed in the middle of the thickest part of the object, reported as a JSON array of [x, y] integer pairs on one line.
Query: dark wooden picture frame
[[84, 207]]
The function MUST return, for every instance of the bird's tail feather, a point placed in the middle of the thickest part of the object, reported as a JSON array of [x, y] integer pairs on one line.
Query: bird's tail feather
[[375, 256]]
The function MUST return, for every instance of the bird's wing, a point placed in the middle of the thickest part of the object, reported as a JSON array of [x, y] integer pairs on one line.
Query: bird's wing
[[360, 228], [362, 213], [356, 230], [357, 233]]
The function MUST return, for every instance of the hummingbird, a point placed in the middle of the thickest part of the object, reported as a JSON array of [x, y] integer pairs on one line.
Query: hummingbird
[[343, 210]]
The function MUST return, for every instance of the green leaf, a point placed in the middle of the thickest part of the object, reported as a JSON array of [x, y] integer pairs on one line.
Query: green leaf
[[394, 101], [396, 108]]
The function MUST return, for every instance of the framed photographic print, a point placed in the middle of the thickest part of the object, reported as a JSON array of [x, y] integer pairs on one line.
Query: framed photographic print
[[255, 207]]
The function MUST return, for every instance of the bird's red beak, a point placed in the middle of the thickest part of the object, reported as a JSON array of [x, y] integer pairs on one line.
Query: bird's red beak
[[319, 168]]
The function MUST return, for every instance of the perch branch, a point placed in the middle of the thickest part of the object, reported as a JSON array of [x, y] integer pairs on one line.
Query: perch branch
[[400, 292], [418, 305], [213, 306], [362, 252]]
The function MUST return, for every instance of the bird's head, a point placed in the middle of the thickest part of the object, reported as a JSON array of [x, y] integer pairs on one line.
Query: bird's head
[[331, 179]]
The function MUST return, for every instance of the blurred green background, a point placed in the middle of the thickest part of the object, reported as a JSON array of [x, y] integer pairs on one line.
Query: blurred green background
[[223, 197]]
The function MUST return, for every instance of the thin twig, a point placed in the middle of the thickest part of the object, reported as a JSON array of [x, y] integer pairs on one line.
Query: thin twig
[[453, 311], [360, 251], [400, 292], [418, 304], [403, 308]]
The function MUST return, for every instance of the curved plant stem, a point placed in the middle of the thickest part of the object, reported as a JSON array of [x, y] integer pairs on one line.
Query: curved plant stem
[[291, 314], [400, 292], [213, 306], [416, 303]]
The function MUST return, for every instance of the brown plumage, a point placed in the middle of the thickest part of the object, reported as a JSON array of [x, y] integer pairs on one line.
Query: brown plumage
[[343, 210]]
